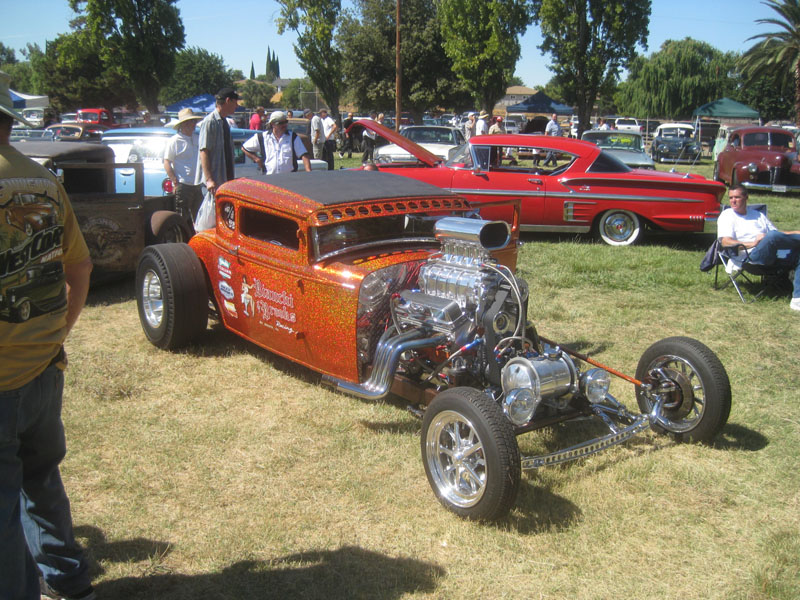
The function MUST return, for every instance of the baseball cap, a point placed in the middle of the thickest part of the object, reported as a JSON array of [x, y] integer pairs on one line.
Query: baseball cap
[[276, 116]]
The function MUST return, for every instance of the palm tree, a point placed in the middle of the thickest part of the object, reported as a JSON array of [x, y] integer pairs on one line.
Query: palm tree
[[779, 49]]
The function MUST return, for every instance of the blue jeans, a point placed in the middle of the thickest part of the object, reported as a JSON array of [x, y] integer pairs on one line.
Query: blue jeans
[[766, 253], [35, 520]]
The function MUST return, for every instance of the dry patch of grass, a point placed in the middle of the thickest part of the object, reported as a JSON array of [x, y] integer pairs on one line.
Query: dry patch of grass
[[226, 472]]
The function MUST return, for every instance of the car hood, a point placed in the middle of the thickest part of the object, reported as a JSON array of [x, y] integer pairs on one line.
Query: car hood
[[424, 156]]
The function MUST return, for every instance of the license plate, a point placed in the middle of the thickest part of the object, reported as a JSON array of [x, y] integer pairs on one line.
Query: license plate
[[779, 188]]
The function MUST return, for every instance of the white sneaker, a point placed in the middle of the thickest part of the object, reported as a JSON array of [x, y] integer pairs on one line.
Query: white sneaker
[[795, 304]]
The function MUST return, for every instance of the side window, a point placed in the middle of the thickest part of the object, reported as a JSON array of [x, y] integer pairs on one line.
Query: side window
[[269, 228], [228, 213], [734, 141]]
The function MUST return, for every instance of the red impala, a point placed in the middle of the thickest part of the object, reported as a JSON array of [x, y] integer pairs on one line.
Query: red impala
[[585, 190]]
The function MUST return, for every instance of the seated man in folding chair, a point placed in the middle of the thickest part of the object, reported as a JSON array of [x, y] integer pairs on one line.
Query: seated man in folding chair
[[753, 230]]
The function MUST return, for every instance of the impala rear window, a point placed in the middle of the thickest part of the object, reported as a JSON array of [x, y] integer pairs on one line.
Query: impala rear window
[[606, 163]]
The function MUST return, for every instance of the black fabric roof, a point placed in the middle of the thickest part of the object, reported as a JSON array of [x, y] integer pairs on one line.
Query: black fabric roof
[[337, 187], [88, 151]]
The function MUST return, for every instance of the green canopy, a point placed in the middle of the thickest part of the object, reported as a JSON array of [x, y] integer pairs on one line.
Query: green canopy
[[725, 108]]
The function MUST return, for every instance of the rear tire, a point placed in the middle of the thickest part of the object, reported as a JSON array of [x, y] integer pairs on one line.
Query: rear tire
[[171, 295], [618, 227], [167, 227]]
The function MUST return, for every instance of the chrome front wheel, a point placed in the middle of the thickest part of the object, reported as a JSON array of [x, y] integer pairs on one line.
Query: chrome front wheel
[[470, 454]]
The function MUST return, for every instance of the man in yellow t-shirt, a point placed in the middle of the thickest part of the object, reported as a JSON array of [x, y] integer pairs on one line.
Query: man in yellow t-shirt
[[44, 280]]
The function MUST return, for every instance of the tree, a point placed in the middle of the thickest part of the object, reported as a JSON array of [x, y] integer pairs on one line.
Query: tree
[[74, 75], [481, 38], [777, 50], [252, 70], [678, 78], [273, 70], [314, 22], [197, 71], [256, 93], [138, 38], [772, 95], [299, 92], [589, 41], [7, 55], [368, 40]]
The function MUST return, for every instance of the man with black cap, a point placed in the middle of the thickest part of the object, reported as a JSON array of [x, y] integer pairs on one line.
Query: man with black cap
[[215, 156], [47, 257]]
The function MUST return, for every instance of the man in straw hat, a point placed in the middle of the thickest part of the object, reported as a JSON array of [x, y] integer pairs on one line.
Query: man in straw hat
[[481, 126], [180, 163], [50, 259]]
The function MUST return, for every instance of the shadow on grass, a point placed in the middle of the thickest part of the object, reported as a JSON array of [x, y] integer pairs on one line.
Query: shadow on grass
[[347, 572], [538, 510], [687, 241], [112, 291], [738, 437]]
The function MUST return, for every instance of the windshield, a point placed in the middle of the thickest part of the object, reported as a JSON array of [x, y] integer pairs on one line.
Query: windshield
[[137, 149], [433, 135], [771, 138], [676, 132], [337, 238], [614, 140]]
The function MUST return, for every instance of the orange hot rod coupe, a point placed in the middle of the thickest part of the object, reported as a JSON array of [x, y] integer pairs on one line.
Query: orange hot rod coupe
[[384, 284]]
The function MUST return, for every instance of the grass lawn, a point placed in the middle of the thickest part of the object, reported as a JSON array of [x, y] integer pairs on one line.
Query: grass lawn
[[225, 472]]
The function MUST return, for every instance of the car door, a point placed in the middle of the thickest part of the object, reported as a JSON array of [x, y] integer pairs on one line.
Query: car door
[[260, 284], [489, 176]]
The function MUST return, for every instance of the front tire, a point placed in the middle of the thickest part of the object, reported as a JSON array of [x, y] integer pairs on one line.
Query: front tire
[[470, 454], [619, 227], [698, 405], [171, 295]]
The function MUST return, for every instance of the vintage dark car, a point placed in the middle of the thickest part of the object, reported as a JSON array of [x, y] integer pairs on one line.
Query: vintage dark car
[[588, 190], [116, 226], [759, 158], [383, 284], [625, 145], [675, 142]]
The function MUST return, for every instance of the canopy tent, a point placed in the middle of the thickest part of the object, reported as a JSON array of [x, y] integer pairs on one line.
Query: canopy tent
[[725, 108], [540, 103], [27, 101], [204, 103]]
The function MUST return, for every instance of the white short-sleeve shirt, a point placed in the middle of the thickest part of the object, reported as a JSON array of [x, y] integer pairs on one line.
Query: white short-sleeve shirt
[[743, 228]]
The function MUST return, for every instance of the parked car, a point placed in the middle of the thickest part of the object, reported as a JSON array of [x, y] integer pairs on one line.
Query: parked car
[[438, 140], [76, 132], [387, 285], [116, 226], [627, 124], [98, 116], [760, 158], [23, 134], [34, 116], [588, 190], [675, 142], [626, 146]]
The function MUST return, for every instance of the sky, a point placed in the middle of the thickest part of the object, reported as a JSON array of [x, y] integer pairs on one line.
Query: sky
[[240, 32]]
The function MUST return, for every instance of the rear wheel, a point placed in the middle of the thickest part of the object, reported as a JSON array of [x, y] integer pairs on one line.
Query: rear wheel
[[619, 227], [470, 454], [167, 227], [171, 295], [693, 385]]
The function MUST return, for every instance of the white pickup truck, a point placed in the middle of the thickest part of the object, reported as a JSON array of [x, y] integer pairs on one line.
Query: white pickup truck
[[627, 124]]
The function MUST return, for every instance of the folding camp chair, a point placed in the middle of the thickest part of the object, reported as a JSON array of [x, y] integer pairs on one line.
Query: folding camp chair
[[734, 261]]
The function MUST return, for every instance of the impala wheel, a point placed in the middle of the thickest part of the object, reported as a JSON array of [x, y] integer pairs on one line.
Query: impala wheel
[[619, 227]]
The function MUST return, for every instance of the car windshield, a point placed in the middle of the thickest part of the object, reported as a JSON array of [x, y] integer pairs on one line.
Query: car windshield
[[432, 135], [676, 132], [132, 149], [89, 117], [769, 138], [614, 140], [338, 238]]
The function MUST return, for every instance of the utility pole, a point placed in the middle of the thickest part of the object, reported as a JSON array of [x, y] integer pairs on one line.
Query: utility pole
[[398, 74]]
